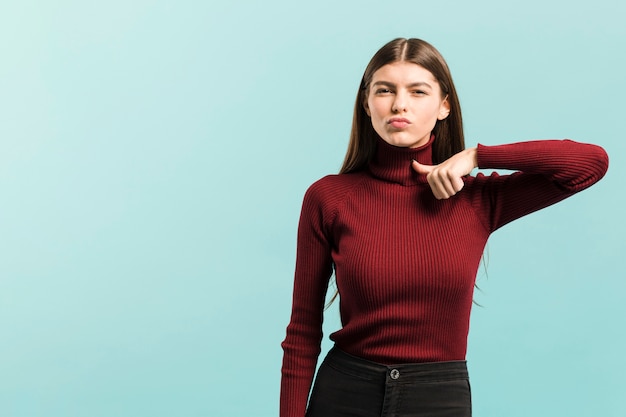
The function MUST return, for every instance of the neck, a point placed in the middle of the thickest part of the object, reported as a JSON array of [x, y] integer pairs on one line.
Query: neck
[[393, 163]]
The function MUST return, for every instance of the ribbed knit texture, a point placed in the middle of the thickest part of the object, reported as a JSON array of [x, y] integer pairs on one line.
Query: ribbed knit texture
[[406, 262]]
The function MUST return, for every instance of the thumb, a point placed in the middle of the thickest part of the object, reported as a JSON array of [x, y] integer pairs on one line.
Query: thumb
[[422, 169]]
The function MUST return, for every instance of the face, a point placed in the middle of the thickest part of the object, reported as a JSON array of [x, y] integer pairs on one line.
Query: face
[[404, 102]]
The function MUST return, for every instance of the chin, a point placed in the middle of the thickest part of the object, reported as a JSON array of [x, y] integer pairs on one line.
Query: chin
[[397, 142], [410, 142], [403, 143], [402, 140]]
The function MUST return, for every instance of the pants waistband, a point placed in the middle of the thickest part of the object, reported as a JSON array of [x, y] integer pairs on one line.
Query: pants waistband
[[416, 372]]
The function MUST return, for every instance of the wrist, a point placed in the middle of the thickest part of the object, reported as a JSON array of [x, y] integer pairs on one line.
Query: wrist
[[472, 153]]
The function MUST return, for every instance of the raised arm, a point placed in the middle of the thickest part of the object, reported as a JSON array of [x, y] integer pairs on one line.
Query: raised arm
[[548, 171]]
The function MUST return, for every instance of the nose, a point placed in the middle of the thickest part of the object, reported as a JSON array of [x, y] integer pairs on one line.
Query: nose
[[399, 103]]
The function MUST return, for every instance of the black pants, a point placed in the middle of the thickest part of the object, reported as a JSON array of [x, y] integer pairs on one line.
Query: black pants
[[349, 386]]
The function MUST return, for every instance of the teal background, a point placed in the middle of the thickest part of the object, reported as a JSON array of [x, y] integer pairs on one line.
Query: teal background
[[153, 159]]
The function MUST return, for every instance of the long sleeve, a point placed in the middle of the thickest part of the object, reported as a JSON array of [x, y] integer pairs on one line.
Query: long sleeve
[[548, 171], [304, 332]]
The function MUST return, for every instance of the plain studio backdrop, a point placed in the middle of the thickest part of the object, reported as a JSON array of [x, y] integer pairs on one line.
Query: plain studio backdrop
[[153, 160]]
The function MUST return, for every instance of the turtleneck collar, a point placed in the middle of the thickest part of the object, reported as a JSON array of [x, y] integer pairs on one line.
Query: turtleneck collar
[[393, 163]]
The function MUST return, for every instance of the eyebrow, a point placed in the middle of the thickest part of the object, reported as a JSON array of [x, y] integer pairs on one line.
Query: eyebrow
[[415, 84]]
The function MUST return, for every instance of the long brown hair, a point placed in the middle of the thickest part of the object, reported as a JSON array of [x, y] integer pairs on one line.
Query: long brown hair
[[448, 132]]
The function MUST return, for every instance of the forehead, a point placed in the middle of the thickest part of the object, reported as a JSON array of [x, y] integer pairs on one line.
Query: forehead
[[403, 72]]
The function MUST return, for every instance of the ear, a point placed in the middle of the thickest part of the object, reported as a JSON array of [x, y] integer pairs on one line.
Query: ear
[[366, 107], [444, 109]]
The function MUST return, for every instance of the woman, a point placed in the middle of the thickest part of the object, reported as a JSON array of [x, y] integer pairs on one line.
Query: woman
[[404, 226]]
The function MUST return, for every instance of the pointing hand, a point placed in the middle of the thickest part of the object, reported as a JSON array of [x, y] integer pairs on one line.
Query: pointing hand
[[446, 179]]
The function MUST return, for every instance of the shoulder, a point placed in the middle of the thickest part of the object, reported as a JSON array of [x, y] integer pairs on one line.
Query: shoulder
[[482, 179], [329, 192], [334, 186], [490, 182], [484, 186]]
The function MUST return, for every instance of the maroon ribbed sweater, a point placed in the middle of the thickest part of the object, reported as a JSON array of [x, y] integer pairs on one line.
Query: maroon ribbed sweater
[[406, 262]]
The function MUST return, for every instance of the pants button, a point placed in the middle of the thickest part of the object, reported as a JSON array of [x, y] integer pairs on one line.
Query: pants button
[[394, 374]]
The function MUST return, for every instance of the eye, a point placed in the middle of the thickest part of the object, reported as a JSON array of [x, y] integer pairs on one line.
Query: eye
[[383, 91], [419, 92]]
